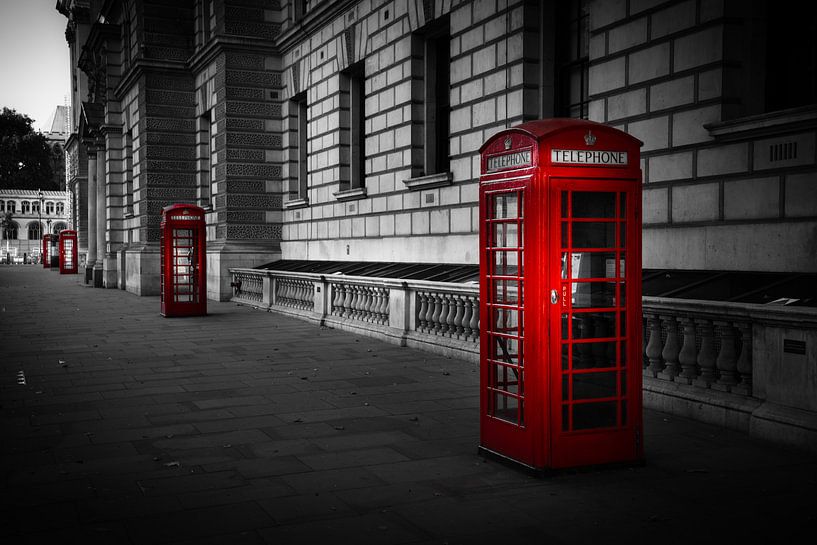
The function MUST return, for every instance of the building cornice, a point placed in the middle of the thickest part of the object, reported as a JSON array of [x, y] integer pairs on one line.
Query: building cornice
[[219, 44], [321, 15], [139, 67]]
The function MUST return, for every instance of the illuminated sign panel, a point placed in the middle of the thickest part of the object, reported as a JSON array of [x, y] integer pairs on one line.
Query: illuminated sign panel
[[515, 159], [588, 157]]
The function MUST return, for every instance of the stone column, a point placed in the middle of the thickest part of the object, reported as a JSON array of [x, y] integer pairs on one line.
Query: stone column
[[90, 260], [101, 218]]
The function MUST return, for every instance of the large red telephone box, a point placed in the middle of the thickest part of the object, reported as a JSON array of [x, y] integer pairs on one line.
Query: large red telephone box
[[560, 292], [183, 262], [68, 251], [46, 255]]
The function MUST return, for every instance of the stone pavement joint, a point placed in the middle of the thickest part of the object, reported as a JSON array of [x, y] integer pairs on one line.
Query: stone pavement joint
[[250, 427]]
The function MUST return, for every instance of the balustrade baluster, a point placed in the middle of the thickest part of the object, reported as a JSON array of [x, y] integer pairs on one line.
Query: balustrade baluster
[[655, 345], [449, 329], [475, 319], [435, 324], [744, 363], [706, 355], [384, 305], [467, 313], [727, 360], [422, 311], [347, 301], [368, 303], [458, 317], [672, 348], [687, 357]]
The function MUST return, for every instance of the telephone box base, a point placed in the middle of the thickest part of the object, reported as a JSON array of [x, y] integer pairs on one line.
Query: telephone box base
[[554, 471]]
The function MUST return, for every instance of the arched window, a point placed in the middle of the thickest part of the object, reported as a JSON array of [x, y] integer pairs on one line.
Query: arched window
[[25, 207], [10, 232], [2, 206], [59, 226], [60, 208], [49, 207], [35, 231], [11, 206], [35, 207]]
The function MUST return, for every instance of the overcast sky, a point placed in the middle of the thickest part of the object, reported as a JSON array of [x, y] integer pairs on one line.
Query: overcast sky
[[34, 72]]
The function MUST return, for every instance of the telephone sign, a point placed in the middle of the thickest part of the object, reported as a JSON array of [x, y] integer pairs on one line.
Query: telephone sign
[[560, 295]]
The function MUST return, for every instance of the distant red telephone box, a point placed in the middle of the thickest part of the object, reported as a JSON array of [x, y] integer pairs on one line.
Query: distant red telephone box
[[68, 251], [54, 252], [184, 265], [46, 255], [560, 292]]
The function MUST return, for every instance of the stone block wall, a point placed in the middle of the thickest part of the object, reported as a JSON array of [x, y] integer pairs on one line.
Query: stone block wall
[[392, 220], [719, 193]]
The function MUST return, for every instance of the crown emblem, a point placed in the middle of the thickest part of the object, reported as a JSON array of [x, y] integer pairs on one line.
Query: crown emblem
[[589, 138], [508, 142]]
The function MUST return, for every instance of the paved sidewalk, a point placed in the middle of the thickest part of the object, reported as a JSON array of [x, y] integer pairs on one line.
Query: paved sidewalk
[[249, 427]]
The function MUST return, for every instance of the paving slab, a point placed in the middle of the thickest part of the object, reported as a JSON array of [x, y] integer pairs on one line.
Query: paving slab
[[249, 427]]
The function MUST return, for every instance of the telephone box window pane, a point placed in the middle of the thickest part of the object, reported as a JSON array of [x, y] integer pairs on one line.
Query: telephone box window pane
[[507, 379], [506, 206], [623, 323], [506, 320], [507, 263], [565, 235], [622, 241], [593, 294], [624, 413], [594, 385], [565, 417], [565, 356], [594, 234], [506, 292], [506, 350], [566, 326], [622, 294], [623, 383], [594, 204], [594, 325], [505, 235], [565, 203], [622, 204], [565, 387], [623, 350], [593, 264], [507, 408], [596, 355], [594, 415]]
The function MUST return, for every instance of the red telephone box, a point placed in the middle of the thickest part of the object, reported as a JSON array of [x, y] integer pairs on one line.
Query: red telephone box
[[68, 251], [560, 292], [46, 255], [184, 265]]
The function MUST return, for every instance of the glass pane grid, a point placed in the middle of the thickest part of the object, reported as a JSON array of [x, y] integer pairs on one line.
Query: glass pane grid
[[506, 306], [593, 332]]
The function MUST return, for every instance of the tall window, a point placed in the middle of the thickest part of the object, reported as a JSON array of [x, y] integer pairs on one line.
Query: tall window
[[35, 207], [49, 207], [791, 59], [205, 21], [60, 209], [2, 206], [573, 36], [353, 108], [433, 46], [11, 206], [298, 126], [35, 231], [206, 158], [128, 167], [25, 207], [10, 232]]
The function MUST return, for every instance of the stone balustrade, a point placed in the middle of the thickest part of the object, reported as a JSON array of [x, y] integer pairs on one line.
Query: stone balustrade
[[747, 367]]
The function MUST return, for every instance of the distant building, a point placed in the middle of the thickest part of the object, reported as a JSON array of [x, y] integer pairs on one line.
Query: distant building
[[56, 131], [23, 238]]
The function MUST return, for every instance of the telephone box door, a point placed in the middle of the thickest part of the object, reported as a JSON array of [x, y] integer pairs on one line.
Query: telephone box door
[[184, 279], [595, 322]]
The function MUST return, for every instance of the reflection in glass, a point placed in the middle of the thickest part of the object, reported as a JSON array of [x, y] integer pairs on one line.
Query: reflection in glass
[[594, 355], [594, 415], [506, 350], [594, 204], [506, 320], [590, 264], [505, 235], [506, 205], [507, 408], [506, 263], [594, 385], [593, 294], [507, 379], [506, 291], [594, 234]]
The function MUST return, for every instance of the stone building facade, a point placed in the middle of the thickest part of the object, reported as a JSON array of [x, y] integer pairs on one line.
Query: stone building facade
[[32, 214], [350, 129]]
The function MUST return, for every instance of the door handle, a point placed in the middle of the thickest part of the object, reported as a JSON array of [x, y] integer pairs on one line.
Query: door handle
[[554, 297]]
